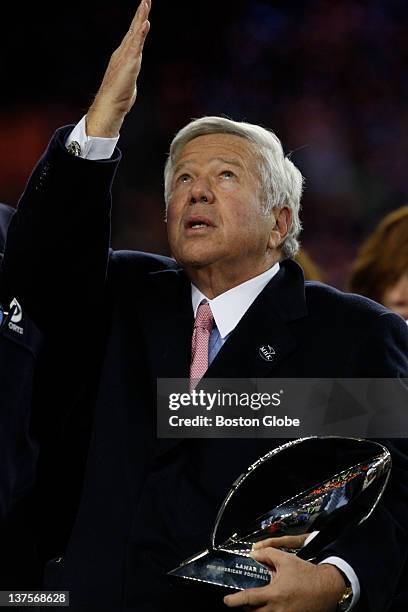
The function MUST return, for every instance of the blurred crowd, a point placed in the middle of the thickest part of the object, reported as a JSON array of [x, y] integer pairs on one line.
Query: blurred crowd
[[329, 77]]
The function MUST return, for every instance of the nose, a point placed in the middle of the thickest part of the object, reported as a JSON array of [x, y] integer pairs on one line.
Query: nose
[[201, 192]]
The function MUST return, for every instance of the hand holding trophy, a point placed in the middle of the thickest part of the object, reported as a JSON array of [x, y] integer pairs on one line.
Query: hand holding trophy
[[336, 492]]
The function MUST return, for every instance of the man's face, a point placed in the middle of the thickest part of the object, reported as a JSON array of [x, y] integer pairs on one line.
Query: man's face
[[214, 215]]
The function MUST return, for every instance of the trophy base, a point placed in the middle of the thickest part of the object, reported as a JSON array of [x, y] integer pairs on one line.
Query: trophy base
[[223, 568]]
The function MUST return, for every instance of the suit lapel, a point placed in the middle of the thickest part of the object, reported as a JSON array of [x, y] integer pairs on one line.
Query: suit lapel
[[263, 338]]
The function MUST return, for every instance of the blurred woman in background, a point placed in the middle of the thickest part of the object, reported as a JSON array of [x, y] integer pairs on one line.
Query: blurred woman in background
[[380, 270]]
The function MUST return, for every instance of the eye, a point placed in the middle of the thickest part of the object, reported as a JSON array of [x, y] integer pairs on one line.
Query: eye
[[183, 178], [227, 174]]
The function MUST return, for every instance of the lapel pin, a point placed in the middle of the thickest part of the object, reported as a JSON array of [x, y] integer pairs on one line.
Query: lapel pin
[[267, 352]]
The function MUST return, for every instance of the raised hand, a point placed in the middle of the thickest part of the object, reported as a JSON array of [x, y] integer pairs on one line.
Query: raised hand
[[117, 93]]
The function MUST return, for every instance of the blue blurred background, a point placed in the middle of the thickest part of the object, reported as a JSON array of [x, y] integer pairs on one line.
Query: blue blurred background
[[329, 77]]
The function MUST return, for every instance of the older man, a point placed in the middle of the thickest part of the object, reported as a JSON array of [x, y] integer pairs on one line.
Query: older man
[[125, 319]]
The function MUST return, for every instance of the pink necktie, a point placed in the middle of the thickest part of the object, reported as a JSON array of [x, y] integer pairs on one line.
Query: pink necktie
[[199, 346]]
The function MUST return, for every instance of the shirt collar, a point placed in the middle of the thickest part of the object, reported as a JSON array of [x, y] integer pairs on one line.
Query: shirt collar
[[229, 307]]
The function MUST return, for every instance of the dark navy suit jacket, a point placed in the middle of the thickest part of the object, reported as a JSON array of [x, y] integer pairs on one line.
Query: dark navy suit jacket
[[20, 343], [133, 506]]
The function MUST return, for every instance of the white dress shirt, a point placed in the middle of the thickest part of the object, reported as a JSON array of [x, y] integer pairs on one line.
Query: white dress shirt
[[227, 308]]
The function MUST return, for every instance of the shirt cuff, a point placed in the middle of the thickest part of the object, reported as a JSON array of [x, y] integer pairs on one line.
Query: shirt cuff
[[91, 147], [350, 574]]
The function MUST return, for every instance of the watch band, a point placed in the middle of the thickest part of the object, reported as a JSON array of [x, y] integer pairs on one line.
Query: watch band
[[344, 602]]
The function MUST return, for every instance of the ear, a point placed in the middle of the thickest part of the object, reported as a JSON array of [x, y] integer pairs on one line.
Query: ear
[[283, 223]]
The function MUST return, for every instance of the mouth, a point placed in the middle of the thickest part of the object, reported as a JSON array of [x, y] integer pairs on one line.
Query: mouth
[[198, 222]]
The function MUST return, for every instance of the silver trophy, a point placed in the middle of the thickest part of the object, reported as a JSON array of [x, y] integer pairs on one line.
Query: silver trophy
[[325, 484]]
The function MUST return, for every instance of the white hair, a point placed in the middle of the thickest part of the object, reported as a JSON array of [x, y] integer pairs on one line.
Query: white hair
[[281, 181]]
